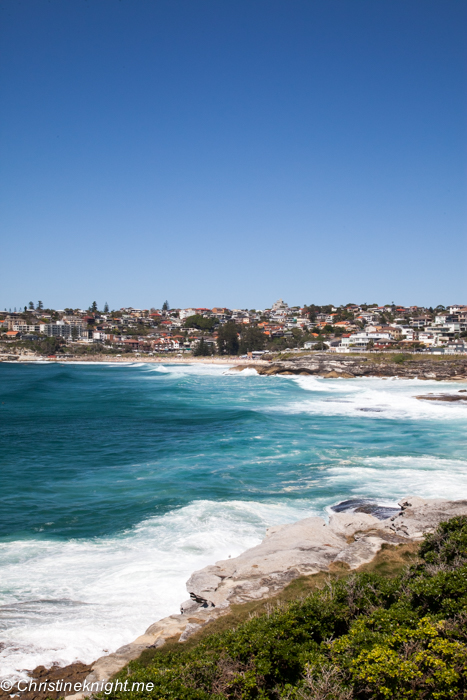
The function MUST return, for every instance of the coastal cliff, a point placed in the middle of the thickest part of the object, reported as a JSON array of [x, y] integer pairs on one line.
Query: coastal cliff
[[310, 546]]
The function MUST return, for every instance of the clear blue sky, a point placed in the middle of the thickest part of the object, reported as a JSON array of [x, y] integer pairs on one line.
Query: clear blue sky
[[215, 152]]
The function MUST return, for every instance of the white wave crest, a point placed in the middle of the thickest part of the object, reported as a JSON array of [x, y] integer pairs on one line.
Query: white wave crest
[[180, 370]]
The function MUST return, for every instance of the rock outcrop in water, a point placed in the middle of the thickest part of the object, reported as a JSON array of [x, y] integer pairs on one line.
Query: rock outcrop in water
[[350, 538], [450, 398]]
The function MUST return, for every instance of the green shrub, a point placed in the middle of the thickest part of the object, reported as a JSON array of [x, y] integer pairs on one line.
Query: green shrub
[[400, 358], [408, 663]]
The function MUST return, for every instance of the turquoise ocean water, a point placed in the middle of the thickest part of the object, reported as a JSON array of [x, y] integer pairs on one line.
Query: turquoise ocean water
[[118, 481]]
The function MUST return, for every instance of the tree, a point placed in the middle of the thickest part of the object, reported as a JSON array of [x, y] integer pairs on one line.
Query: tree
[[227, 341], [31, 306], [39, 306], [252, 338], [202, 349], [198, 321], [106, 308], [312, 310], [93, 307], [50, 345], [165, 306], [74, 333]]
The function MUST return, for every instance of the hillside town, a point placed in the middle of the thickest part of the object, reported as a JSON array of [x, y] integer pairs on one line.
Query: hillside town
[[37, 330]]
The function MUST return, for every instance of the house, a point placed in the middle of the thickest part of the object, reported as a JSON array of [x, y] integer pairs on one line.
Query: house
[[280, 306], [409, 334], [427, 339], [365, 317], [186, 313], [420, 321], [456, 346], [165, 345], [395, 332], [384, 345], [361, 340], [132, 343]]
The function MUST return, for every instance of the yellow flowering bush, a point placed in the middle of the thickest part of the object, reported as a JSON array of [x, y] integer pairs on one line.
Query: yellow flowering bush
[[411, 664]]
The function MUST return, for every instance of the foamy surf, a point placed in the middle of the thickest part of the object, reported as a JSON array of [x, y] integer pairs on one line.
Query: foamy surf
[[181, 370], [77, 600], [428, 477], [375, 399]]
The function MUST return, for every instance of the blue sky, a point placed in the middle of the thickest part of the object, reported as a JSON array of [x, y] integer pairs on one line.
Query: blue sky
[[230, 153]]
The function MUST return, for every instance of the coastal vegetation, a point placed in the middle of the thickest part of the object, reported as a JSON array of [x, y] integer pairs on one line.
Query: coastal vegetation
[[379, 634]]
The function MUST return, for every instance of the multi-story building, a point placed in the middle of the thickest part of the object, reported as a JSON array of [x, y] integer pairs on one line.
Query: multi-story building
[[64, 330], [27, 328]]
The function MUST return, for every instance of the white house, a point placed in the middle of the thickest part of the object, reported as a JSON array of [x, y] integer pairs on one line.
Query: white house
[[185, 313], [361, 340]]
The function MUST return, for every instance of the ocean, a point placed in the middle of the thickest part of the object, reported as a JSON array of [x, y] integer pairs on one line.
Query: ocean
[[117, 481]]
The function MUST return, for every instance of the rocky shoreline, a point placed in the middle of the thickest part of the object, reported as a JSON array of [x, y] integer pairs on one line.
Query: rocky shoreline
[[352, 537], [333, 366]]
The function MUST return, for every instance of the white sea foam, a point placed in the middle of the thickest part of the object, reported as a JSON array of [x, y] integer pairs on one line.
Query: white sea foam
[[178, 370], [375, 398], [106, 363], [398, 476], [318, 384], [75, 600]]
